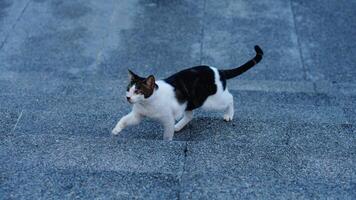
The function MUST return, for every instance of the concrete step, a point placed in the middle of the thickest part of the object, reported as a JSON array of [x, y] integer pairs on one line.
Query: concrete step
[[209, 129], [259, 133], [107, 94], [286, 113], [296, 98], [73, 183], [30, 82], [47, 165], [25, 151], [320, 86], [91, 124], [100, 122], [8, 120], [260, 106], [266, 171], [10, 13], [243, 187]]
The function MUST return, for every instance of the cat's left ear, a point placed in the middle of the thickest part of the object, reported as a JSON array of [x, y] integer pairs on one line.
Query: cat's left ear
[[150, 81], [132, 76]]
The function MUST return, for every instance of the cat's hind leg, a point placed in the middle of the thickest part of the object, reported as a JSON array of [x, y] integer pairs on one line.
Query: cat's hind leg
[[229, 101], [188, 116], [222, 100]]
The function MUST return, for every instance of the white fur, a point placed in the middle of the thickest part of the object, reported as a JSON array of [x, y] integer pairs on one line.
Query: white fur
[[163, 105], [134, 98], [221, 100]]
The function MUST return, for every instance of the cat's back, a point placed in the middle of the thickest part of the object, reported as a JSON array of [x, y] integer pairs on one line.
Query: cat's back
[[193, 85], [201, 71]]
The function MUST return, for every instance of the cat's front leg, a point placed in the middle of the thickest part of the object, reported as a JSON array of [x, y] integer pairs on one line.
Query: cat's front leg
[[130, 119], [168, 124], [188, 116]]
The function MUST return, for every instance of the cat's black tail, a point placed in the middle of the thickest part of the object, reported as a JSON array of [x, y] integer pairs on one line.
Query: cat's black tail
[[231, 73]]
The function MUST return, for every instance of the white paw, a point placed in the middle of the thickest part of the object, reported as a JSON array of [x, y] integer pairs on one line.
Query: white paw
[[167, 138], [116, 131], [227, 118], [177, 128]]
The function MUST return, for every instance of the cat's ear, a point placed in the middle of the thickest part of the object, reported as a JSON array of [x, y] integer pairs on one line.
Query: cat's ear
[[150, 81], [132, 76]]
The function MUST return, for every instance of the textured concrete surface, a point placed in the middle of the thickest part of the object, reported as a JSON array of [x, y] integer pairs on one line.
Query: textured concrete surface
[[63, 76]]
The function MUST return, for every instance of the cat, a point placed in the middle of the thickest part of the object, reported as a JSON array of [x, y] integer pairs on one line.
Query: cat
[[177, 96]]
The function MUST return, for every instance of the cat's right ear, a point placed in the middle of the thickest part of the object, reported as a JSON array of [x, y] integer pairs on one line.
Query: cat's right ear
[[132, 76]]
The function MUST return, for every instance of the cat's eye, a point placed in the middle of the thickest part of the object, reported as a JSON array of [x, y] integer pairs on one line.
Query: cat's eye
[[136, 91]]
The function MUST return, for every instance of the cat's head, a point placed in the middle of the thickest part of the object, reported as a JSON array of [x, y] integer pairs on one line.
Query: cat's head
[[139, 88]]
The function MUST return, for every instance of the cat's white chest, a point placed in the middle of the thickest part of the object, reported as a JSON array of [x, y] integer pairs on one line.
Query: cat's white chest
[[163, 103]]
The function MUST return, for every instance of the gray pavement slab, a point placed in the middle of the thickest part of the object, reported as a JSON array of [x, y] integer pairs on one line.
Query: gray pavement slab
[[325, 31], [296, 98], [10, 12], [8, 120], [350, 115], [40, 83], [232, 28], [91, 124], [73, 39], [270, 85], [230, 159], [26, 151], [65, 41], [228, 170], [337, 137], [73, 183], [67, 123], [292, 113], [259, 133], [166, 36], [105, 93], [335, 88], [79, 122], [239, 131], [63, 75], [82, 167], [258, 188]]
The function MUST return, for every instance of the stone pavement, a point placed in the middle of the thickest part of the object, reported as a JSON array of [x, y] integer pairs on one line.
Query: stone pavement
[[63, 74]]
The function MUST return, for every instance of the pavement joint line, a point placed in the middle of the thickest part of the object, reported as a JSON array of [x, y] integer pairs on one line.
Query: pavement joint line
[[180, 190], [17, 121], [314, 87], [202, 33], [298, 41], [288, 137], [276, 171], [13, 26]]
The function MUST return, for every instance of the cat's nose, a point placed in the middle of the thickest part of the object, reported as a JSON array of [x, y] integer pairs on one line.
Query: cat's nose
[[128, 98]]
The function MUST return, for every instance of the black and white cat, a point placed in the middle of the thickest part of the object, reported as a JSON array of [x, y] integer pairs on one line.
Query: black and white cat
[[177, 96]]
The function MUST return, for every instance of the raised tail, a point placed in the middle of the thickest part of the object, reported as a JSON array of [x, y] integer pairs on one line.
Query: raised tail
[[231, 73]]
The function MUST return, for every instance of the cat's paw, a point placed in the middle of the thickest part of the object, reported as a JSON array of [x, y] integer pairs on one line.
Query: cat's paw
[[227, 118], [167, 138], [116, 131], [177, 128]]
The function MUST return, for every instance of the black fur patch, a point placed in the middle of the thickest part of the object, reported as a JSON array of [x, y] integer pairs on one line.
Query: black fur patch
[[223, 80], [193, 85], [231, 73]]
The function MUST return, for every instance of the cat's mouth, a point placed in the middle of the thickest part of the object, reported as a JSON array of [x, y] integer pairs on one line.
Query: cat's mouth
[[131, 102]]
